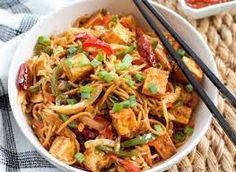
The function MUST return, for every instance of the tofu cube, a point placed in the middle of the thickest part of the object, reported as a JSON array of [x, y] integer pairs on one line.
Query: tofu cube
[[77, 67], [124, 122], [155, 78], [164, 146], [182, 114]]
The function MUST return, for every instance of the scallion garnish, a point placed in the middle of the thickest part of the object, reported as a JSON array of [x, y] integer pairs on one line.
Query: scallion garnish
[[86, 91], [152, 88], [79, 157], [71, 101], [139, 77], [130, 81], [64, 118], [157, 127], [95, 63], [189, 88], [131, 102], [43, 40], [181, 52], [106, 76]]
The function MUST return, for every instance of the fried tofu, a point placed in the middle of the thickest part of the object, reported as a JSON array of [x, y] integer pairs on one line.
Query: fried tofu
[[77, 67], [119, 35], [124, 122], [156, 77], [164, 146], [95, 161], [182, 114], [64, 148]]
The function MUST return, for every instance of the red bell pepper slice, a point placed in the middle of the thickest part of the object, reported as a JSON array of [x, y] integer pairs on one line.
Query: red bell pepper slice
[[103, 21], [98, 44]]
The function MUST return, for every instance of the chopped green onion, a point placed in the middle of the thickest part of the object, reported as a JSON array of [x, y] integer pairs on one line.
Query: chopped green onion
[[125, 64], [181, 52], [114, 18], [85, 95], [54, 80], [61, 99], [125, 104], [86, 91], [106, 76], [100, 57], [71, 101], [130, 81], [117, 107], [132, 101], [179, 137], [139, 77], [64, 118], [128, 50], [114, 98], [79, 157], [189, 88], [43, 40], [72, 50], [95, 63], [152, 88], [34, 89], [188, 130], [69, 63], [157, 128]]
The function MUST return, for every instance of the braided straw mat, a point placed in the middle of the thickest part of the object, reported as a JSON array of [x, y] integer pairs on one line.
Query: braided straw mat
[[215, 152]]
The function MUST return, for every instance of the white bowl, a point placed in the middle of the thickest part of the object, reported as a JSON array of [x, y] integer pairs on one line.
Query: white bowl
[[60, 20], [207, 11]]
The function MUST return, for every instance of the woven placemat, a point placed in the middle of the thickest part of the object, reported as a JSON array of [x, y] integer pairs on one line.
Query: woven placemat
[[215, 152]]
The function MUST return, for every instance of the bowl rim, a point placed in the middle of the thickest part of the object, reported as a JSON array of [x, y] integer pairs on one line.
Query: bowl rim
[[164, 166]]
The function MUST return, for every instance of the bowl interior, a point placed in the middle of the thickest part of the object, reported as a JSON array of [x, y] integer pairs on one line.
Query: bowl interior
[[59, 21]]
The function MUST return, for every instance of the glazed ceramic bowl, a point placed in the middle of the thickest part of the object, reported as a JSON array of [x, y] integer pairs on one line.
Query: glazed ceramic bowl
[[60, 20]]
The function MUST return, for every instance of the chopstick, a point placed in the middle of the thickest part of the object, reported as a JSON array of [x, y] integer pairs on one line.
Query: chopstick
[[205, 98], [197, 59]]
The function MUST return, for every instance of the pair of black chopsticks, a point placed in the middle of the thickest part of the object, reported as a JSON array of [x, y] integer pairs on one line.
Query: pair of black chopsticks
[[224, 124]]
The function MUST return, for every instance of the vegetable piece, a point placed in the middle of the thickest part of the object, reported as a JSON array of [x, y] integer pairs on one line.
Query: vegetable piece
[[43, 45], [120, 153], [158, 128], [77, 67], [189, 88], [131, 102], [71, 101], [24, 78], [79, 157], [36, 87], [188, 130], [155, 82], [95, 63], [128, 50], [179, 137], [128, 22], [106, 76], [182, 114], [164, 146], [152, 88], [96, 142], [162, 58], [145, 48], [78, 107], [98, 44], [124, 121], [72, 51], [86, 91], [91, 123], [128, 166], [64, 118], [139, 77], [64, 149], [129, 81], [126, 63], [181, 52], [139, 140], [89, 134], [54, 80]]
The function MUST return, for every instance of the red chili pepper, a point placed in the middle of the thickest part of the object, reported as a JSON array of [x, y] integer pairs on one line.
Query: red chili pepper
[[145, 48], [128, 166], [98, 44], [24, 78], [84, 35]]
